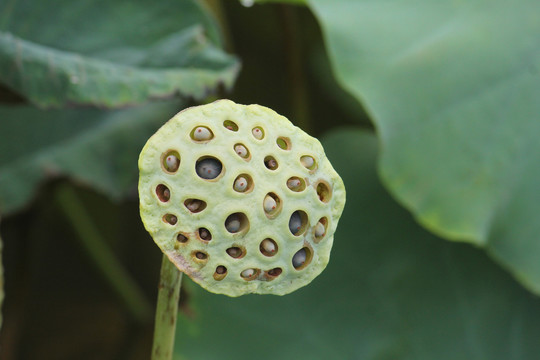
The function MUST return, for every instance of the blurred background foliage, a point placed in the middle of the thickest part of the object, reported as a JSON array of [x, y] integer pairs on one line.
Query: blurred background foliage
[[433, 104]]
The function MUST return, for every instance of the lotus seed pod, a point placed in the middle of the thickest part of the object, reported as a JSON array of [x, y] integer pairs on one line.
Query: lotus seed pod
[[248, 204]]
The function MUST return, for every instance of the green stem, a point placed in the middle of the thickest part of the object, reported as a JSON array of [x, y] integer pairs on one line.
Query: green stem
[[102, 255], [166, 310]]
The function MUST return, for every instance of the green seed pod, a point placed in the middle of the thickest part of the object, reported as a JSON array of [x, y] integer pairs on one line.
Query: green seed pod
[[239, 199]]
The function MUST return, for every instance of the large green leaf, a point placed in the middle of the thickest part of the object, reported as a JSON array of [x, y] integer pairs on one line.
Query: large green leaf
[[110, 53], [96, 147], [391, 291], [453, 88]]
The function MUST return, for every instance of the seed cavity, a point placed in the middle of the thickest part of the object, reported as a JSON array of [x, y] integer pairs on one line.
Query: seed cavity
[[230, 125], [271, 205], [249, 274], [258, 133], [302, 258], [220, 273], [201, 133], [242, 151], [163, 193], [243, 183], [236, 252], [204, 234], [195, 205], [268, 247], [170, 219], [283, 143], [308, 162], [270, 163], [170, 161], [237, 222], [324, 191], [296, 184], [298, 222], [208, 167]]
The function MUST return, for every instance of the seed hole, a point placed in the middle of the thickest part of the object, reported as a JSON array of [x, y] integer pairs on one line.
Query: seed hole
[[208, 167], [242, 151], [258, 133], [308, 162], [250, 274], [273, 273], [170, 161], [195, 205], [230, 125], [271, 205], [270, 163], [163, 193], [243, 183], [283, 143], [237, 222], [236, 252], [170, 219], [296, 184], [302, 258], [268, 247], [220, 273], [298, 222], [182, 238], [199, 256], [323, 191], [204, 234], [319, 231], [201, 133]]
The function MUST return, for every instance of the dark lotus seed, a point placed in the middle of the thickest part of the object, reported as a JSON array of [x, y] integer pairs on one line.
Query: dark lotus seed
[[234, 252], [299, 258], [295, 223], [181, 238], [221, 269], [200, 255], [208, 168], [204, 234]]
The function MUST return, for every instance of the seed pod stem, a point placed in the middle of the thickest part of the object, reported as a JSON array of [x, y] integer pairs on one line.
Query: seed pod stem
[[166, 310]]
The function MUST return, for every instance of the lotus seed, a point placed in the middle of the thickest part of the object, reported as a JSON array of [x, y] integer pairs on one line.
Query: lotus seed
[[299, 258], [171, 163], [269, 204], [201, 255], [181, 238], [271, 163], [295, 222], [294, 184], [240, 184], [234, 252], [307, 161], [257, 133], [268, 246], [194, 205], [221, 269], [247, 273], [241, 150], [232, 224], [171, 219], [208, 168], [275, 272], [204, 234], [201, 133], [319, 229]]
